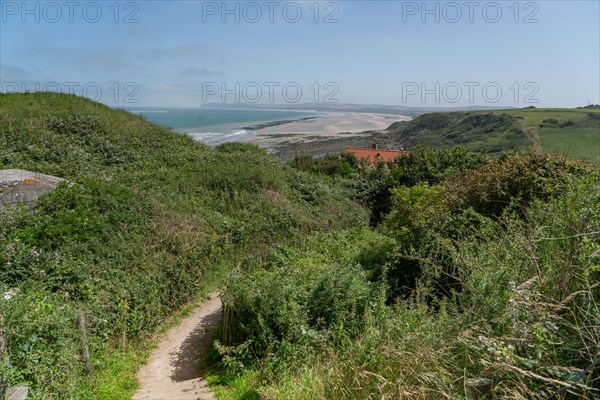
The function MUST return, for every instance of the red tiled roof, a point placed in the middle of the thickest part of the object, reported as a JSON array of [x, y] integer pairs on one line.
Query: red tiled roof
[[374, 155]]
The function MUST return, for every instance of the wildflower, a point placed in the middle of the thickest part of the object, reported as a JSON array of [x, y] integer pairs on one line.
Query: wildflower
[[8, 295]]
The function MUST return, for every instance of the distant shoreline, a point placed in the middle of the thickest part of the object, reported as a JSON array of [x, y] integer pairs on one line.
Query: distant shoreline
[[271, 124], [309, 131], [272, 130]]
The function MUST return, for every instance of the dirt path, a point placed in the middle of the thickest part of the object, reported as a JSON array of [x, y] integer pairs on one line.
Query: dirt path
[[173, 371]]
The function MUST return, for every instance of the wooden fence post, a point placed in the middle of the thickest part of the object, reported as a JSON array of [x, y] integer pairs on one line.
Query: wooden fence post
[[2, 348], [2, 339], [225, 325], [85, 351]]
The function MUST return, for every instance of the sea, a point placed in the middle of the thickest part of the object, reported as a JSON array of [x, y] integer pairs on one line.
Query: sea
[[214, 126]]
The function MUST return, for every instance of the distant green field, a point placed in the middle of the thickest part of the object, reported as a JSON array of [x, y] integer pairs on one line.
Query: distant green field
[[537, 116], [581, 143], [564, 131]]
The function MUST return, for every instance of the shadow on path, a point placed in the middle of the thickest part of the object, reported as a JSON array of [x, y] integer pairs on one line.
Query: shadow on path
[[186, 362]]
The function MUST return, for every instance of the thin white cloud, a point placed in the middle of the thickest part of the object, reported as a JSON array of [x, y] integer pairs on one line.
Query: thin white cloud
[[194, 72], [111, 60], [137, 61], [12, 72], [187, 51]]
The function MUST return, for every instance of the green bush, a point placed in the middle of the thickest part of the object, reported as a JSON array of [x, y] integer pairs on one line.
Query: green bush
[[331, 164], [374, 184], [293, 299], [513, 181], [417, 209], [425, 164]]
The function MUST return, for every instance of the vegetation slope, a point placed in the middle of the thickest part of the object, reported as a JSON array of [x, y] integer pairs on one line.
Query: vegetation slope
[[476, 267], [574, 132], [150, 217]]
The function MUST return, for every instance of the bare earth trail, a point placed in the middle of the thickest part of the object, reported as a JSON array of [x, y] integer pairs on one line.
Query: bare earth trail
[[173, 371]]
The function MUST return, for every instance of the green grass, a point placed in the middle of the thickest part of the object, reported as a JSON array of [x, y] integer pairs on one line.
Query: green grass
[[581, 143], [153, 219], [579, 138], [535, 116], [233, 387], [116, 380]]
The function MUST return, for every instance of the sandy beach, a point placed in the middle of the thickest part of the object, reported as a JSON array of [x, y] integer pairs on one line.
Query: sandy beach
[[328, 127]]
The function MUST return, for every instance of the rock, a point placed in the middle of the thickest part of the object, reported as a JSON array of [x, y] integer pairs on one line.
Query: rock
[[16, 393], [476, 388], [20, 186]]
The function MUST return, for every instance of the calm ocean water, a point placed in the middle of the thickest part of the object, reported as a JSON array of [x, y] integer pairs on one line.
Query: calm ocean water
[[216, 125]]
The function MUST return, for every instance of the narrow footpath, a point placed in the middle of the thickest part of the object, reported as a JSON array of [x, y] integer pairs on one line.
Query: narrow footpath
[[173, 371]]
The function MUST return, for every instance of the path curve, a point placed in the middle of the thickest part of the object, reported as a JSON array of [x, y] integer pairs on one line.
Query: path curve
[[173, 371]]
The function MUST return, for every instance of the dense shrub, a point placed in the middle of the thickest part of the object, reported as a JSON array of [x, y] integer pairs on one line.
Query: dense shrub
[[287, 302], [331, 164], [372, 185], [514, 181], [425, 164], [417, 209], [492, 271], [525, 317]]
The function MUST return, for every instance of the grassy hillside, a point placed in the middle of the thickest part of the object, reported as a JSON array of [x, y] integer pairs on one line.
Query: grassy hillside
[[477, 131], [574, 132], [581, 143], [480, 268], [151, 219], [532, 119]]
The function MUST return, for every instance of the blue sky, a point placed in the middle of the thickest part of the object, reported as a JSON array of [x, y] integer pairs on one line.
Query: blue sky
[[186, 53]]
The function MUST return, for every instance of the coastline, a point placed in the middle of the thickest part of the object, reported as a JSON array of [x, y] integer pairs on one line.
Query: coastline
[[352, 127], [265, 125], [281, 133]]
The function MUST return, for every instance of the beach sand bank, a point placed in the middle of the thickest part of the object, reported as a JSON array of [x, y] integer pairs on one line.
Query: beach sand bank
[[345, 125]]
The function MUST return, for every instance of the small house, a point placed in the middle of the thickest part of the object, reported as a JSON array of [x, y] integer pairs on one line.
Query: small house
[[375, 154]]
